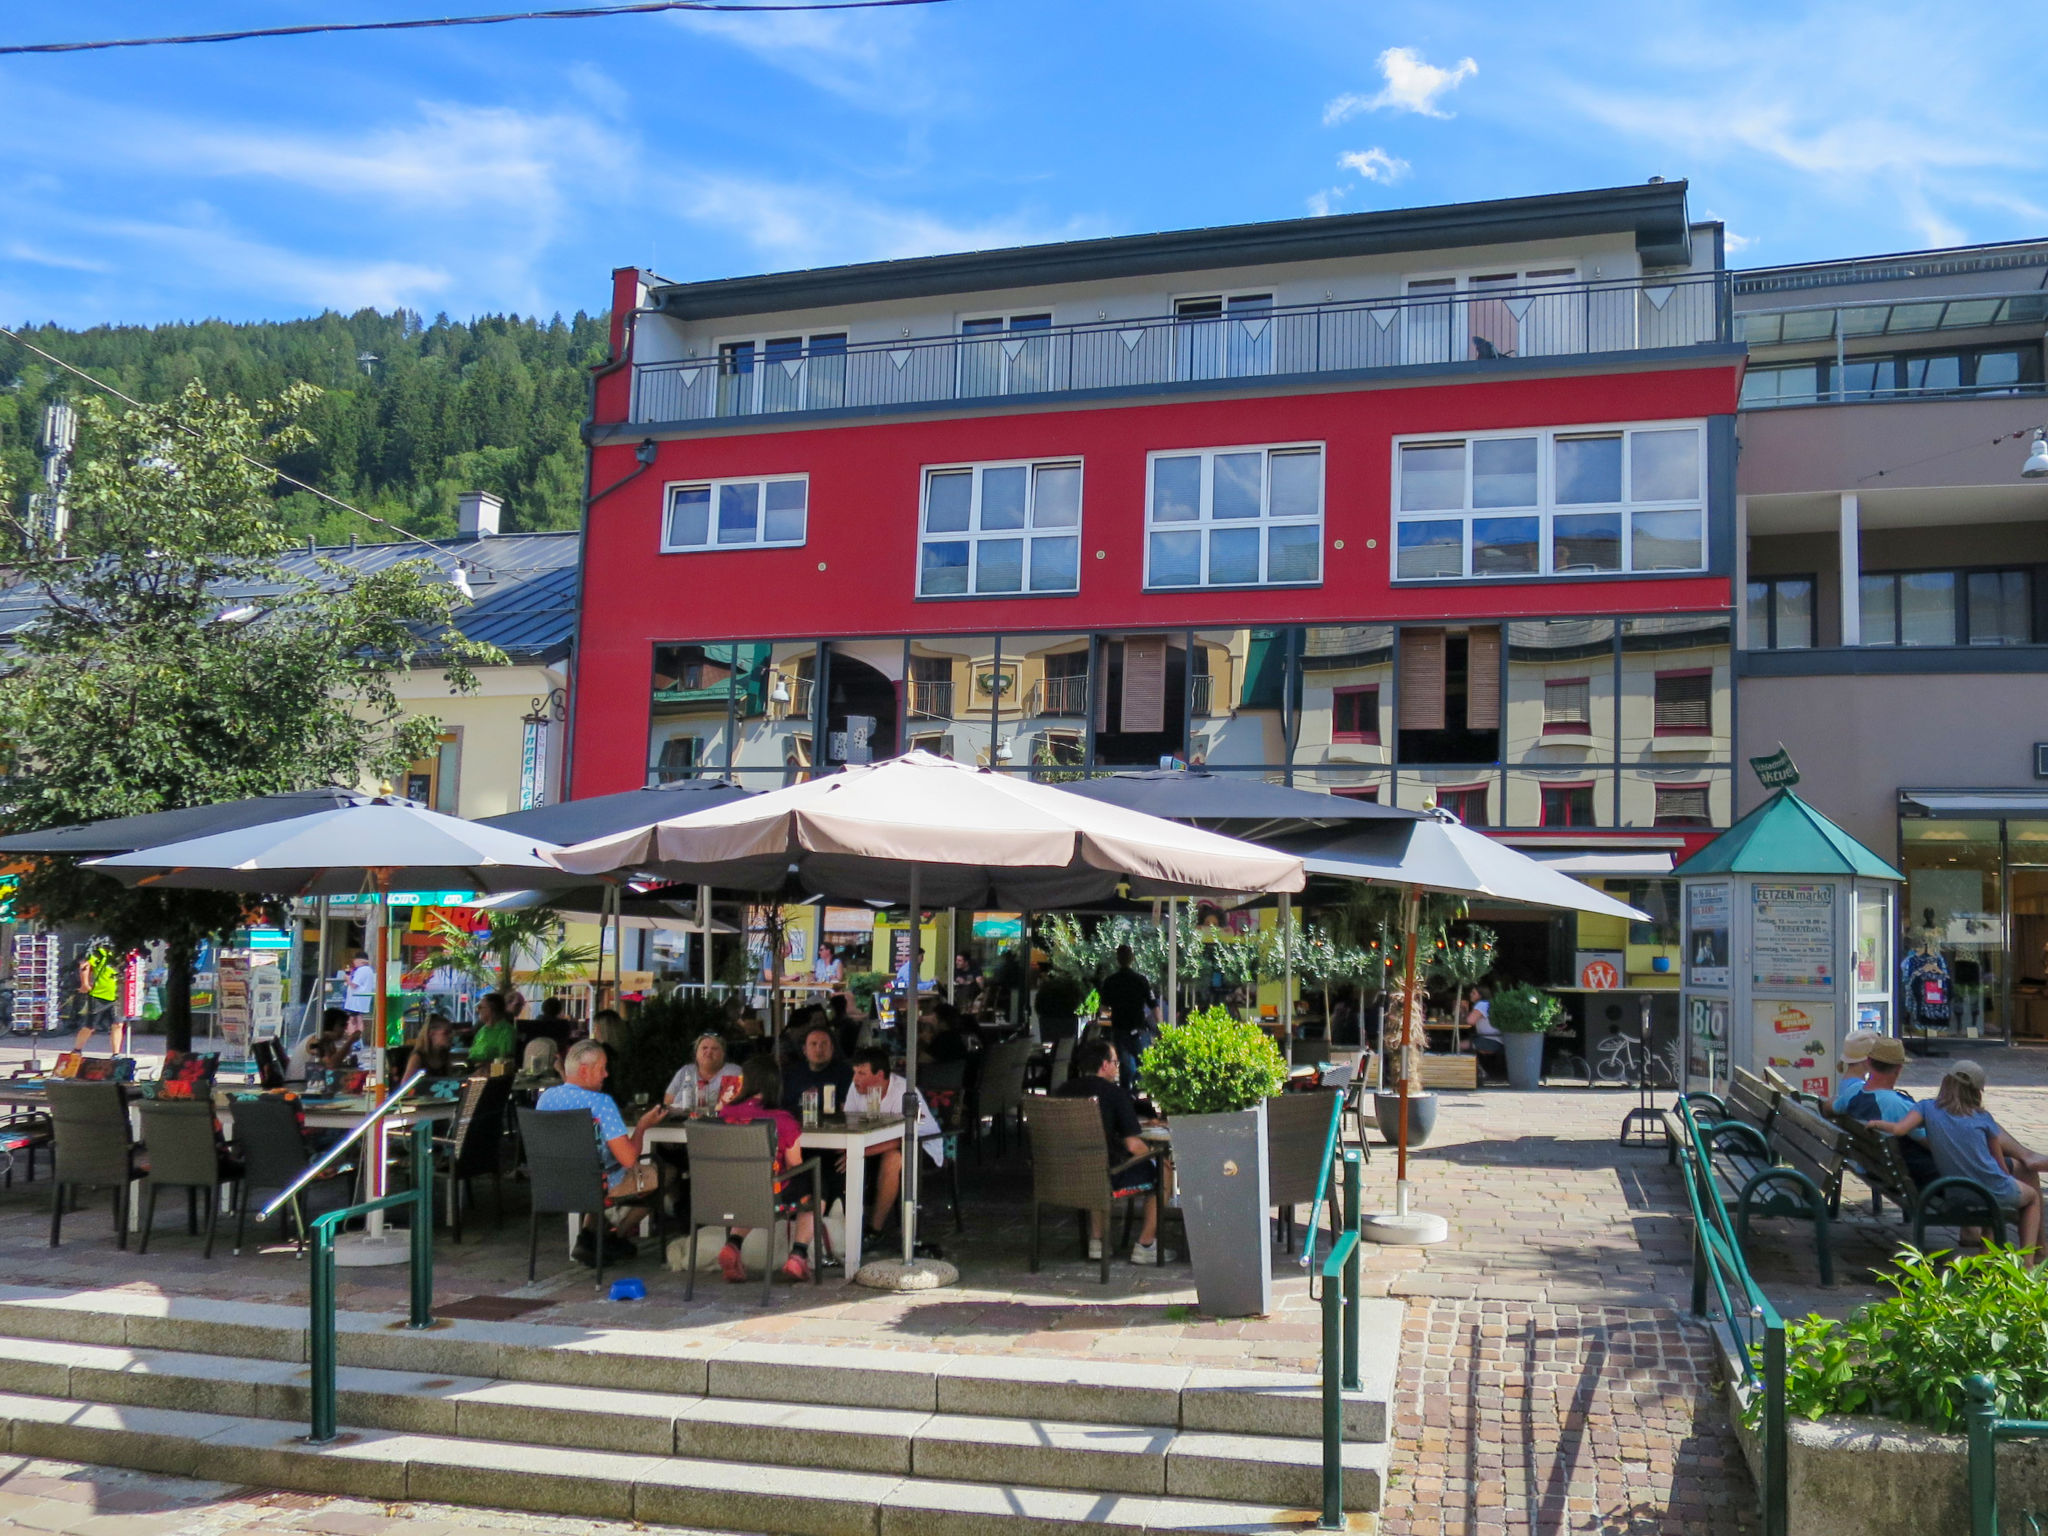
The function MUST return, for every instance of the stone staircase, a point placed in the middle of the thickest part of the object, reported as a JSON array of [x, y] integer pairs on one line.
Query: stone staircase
[[679, 1429]]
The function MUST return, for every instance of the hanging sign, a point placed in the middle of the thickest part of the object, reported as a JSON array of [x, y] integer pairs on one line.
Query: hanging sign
[[1600, 970], [1775, 771]]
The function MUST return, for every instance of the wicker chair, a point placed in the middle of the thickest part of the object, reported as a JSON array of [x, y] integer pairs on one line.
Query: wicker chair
[[1002, 1089], [567, 1177], [1297, 1130], [733, 1184], [183, 1154], [1070, 1167], [92, 1149]]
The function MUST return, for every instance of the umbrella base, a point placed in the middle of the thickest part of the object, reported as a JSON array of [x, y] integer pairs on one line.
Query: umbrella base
[[917, 1275], [1410, 1229], [356, 1250]]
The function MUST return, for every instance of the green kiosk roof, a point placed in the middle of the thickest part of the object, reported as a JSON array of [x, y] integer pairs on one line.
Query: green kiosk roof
[[1786, 836]]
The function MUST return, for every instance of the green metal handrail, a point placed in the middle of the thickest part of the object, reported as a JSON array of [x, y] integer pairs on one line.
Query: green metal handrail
[[1754, 1326], [1986, 1429], [349, 1139], [1315, 1209], [1340, 1343], [321, 1350]]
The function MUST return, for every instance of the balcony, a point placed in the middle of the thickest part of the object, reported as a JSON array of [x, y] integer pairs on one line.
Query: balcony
[[1058, 696], [931, 700], [1470, 326]]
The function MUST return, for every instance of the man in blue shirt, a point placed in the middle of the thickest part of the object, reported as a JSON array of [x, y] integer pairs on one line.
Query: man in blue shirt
[[1877, 1098], [583, 1072]]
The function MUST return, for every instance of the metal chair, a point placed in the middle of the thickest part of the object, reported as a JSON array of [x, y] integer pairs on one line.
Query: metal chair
[[1297, 1129], [273, 1152], [733, 1183], [1070, 1167], [566, 1177], [474, 1145], [92, 1149], [944, 1087], [1002, 1090], [184, 1154]]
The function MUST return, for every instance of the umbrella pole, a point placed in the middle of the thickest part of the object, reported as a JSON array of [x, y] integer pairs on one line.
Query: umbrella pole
[[373, 1246], [1402, 1225], [1171, 1012], [1030, 1019], [1287, 972], [910, 1181], [775, 943], [316, 994]]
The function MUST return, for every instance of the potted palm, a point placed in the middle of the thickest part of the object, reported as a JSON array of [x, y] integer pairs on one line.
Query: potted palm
[[1211, 1077], [1524, 1015]]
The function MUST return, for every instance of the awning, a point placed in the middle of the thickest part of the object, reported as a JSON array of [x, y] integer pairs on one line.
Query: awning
[[1583, 862], [1993, 802]]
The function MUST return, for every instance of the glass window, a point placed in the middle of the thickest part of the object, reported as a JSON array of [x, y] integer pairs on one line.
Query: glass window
[[991, 515], [1684, 703], [1682, 805], [2001, 608], [1664, 466], [736, 514], [1878, 603], [1432, 477], [1567, 805], [1567, 704], [1506, 546], [1588, 469], [1667, 541], [1781, 613], [1927, 608], [1259, 513], [1434, 548], [1467, 803], [1585, 542], [1355, 714], [1504, 472], [782, 373]]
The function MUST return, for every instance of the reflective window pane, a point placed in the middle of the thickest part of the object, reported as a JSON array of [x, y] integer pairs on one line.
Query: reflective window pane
[[1055, 565], [1430, 549], [1432, 477], [1664, 466], [1999, 604], [689, 515], [948, 501], [1927, 608], [1056, 497], [739, 513], [1878, 598], [1176, 560], [1002, 497], [945, 568], [1585, 542], [1176, 489], [785, 521], [1504, 472], [1297, 485], [1238, 485], [1758, 614], [1794, 614], [1233, 556], [1588, 469], [1505, 546], [999, 565], [1291, 551], [1666, 541]]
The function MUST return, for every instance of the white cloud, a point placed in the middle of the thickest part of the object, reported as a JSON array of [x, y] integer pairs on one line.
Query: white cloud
[[869, 59], [1736, 244], [1374, 164], [1412, 85], [21, 250]]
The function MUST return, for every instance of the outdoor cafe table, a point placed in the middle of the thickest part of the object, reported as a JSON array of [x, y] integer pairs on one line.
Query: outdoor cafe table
[[851, 1134]]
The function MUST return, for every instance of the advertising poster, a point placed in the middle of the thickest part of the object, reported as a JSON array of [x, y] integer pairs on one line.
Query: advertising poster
[[1706, 935], [1706, 1038], [799, 942], [1797, 1040], [1792, 937]]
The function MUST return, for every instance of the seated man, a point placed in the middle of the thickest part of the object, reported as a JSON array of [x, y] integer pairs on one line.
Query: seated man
[[1878, 1097], [816, 1068], [1855, 1065], [1095, 1077], [878, 1091], [583, 1088]]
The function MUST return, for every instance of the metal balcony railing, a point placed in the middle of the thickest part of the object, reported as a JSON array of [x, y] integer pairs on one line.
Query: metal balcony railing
[[1057, 696], [1474, 324], [932, 700]]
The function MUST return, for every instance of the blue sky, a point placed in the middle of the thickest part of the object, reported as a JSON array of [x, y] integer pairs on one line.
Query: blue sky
[[512, 167]]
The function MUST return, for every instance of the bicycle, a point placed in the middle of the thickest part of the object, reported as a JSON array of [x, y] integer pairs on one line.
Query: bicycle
[[1622, 1061]]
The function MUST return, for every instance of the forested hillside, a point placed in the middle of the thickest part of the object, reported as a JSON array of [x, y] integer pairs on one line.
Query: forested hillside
[[412, 413]]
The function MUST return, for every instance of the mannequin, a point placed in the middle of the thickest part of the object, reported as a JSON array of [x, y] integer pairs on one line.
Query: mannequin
[[1926, 984]]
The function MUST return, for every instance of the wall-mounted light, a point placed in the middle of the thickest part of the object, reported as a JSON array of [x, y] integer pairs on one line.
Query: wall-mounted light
[[1003, 750], [778, 691], [2036, 467]]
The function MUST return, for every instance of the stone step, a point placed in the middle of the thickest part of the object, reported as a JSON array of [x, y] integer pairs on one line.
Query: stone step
[[700, 1364], [1044, 1453], [657, 1490]]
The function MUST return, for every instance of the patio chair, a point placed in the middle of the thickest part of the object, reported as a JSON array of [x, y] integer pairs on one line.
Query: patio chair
[[473, 1146], [944, 1087], [1297, 1128], [1002, 1090], [22, 1132], [566, 1177], [273, 1152], [1062, 1064], [92, 1149], [184, 1153], [1070, 1168], [733, 1184]]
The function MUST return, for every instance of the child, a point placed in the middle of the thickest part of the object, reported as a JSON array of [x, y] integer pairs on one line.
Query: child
[[1967, 1143], [760, 1091]]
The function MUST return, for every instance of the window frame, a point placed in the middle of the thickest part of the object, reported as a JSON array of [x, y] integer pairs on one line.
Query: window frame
[[1204, 521], [1704, 820], [759, 341], [973, 535], [1963, 637], [1658, 729], [1583, 726], [1768, 641], [1546, 508], [1545, 786], [1482, 789], [1356, 738], [713, 485]]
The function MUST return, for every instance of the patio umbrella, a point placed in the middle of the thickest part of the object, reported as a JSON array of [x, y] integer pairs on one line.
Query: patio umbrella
[[924, 830], [578, 821], [125, 834]]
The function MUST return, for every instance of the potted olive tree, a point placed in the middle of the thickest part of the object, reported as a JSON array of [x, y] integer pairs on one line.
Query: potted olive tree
[[1211, 1077], [1524, 1015]]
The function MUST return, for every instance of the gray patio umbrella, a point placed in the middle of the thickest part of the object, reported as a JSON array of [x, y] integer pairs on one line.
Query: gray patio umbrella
[[125, 834], [578, 821]]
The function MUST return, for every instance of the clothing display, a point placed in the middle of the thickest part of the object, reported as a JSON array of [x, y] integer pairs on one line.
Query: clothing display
[[1927, 987]]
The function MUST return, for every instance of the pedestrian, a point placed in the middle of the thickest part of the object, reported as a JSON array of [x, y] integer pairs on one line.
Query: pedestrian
[[1129, 998]]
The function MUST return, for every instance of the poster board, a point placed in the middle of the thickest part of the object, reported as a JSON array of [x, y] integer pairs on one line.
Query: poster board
[[1792, 936], [1706, 1037], [1706, 935], [1797, 1040]]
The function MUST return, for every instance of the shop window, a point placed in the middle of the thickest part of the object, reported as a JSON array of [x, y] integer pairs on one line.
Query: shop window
[[1682, 805], [1781, 613], [1000, 529], [1355, 714], [1568, 706], [1235, 517], [1567, 805], [736, 514], [1467, 803], [1684, 703]]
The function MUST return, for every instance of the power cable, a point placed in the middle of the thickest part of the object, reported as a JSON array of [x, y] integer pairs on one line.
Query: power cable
[[576, 13], [1949, 453]]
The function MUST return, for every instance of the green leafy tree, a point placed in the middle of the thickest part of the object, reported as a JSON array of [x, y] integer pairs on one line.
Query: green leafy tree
[[490, 956], [174, 662]]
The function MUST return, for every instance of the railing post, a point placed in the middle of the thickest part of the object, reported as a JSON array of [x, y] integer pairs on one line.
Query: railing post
[[320, 1333], [422, 1224], [1775, 1496], [1353, 1200], [1980, 1414], [1333, 1407], [1699, 1266]]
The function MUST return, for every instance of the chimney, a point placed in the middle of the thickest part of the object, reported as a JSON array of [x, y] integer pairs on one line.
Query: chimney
[[476, 514]]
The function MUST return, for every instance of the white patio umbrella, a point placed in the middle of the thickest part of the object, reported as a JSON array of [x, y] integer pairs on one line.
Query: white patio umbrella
[[927, 831]]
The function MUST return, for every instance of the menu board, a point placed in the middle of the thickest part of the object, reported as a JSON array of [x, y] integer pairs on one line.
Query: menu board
[[1798, 1041], [1706, 935], [1792, 938]]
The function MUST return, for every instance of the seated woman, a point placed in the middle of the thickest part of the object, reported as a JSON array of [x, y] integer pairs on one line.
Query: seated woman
[[433, 1049], [325, 1050], [1486, 1042], [541, 1067], [1967, 1143], [701, 1084], [760, 1089], [495, 1038]]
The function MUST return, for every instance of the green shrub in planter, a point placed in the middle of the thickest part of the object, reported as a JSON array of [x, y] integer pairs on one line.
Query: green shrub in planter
[[1211, 1065], [1525, 1010], [865, 984]]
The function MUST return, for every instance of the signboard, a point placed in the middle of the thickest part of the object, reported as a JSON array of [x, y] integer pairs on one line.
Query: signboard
[[1706, 935], [1775, 771], [265, 938], [407, 899], [1707, 1038], [998, 925], [1599, 970], [1798, 1041], [1792, 937]]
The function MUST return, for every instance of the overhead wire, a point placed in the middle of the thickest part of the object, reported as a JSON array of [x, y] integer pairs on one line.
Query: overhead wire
[[567, 13]]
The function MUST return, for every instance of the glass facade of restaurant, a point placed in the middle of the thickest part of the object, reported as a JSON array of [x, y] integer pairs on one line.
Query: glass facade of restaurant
[[1545, 723], [1974, 915]]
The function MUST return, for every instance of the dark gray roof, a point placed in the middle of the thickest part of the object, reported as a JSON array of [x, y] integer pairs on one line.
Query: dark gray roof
[[1655, 213]]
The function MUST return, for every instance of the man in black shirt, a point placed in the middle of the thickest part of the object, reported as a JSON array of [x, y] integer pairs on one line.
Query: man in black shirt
[[1095, 1078], [1128, 997], [819, 1067]]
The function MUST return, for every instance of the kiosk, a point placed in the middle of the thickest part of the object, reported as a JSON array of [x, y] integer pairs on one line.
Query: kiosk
[[1786, 946]]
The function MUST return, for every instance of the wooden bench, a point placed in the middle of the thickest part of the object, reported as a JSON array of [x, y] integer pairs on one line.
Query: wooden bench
[[1948, 1202], [1794, 1168], [1751, 1102], [1449, 1071]]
